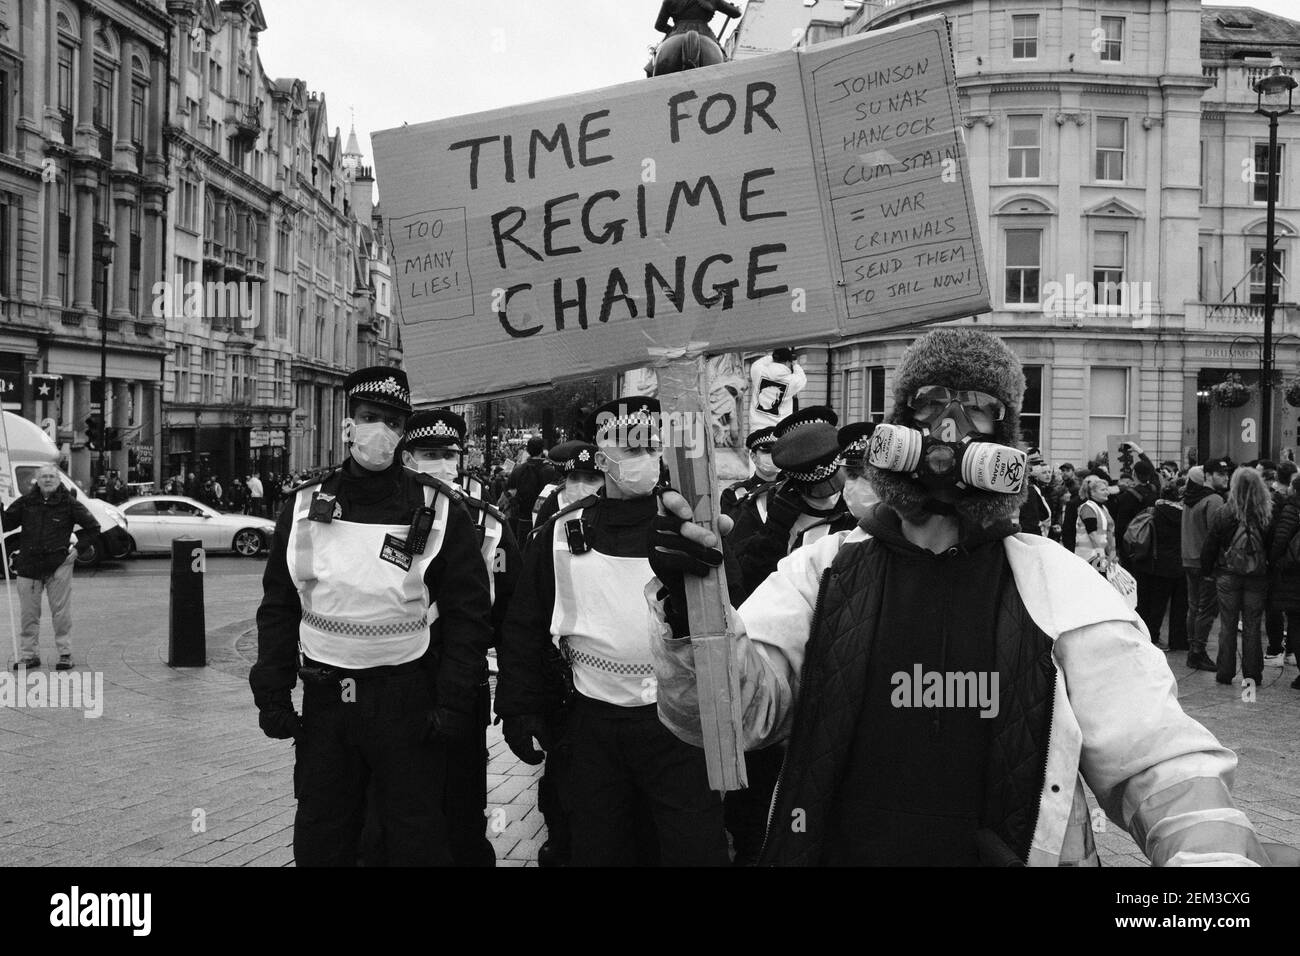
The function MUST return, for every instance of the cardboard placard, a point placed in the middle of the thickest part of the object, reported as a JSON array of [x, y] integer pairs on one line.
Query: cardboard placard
[[590, 232]]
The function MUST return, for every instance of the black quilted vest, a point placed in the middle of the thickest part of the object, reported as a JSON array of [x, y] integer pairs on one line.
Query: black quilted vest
[[830, 703]]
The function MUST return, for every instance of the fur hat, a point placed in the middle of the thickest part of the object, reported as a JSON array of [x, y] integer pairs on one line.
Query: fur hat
[[961, 359]]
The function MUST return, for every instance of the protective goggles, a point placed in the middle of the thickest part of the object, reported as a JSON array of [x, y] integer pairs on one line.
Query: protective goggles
[[930, 402]]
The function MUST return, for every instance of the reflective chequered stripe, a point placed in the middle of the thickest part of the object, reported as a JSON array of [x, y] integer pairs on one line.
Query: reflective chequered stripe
[[604, 664], [331, 625]]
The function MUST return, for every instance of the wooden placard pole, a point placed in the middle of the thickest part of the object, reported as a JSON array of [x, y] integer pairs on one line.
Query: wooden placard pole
[[684, 399]]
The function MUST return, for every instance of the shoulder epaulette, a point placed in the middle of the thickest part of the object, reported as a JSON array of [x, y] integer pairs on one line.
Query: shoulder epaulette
[[478, 504], [454, 492], [572, 506], [318, 480]]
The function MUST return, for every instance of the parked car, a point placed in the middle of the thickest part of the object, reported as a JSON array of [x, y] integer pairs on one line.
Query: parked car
[[29, 449], [156, 520]]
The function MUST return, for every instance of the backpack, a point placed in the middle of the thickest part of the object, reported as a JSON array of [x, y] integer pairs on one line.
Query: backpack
[[1293, 550], [1140, 535], [1245, 554]]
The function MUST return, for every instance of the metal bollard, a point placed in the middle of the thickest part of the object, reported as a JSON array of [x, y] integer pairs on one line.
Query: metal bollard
[[187, 644]]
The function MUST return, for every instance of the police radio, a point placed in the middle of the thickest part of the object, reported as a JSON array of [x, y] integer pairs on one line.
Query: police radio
[[418, 535]]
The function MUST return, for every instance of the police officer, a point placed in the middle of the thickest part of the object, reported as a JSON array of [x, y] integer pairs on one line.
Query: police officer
[[579, 477], [583, 587], [435, 445], [760, 444], [376, 595], [803, 507]]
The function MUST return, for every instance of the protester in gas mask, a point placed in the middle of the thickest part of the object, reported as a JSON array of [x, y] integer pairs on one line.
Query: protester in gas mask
[[833, 652], [581, 588], [760, 444], [375, 594]]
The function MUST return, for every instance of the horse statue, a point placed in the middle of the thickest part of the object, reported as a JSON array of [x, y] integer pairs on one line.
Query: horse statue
[[688, 42]]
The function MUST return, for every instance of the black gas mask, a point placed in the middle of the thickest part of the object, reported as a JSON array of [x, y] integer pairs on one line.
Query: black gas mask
[[948, 445]]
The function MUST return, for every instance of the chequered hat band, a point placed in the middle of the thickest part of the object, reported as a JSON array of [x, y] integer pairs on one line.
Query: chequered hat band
[[583, 459], [820, 473], [791, 429], [856, 448], [436, 430], [764, 445], [388, 388]]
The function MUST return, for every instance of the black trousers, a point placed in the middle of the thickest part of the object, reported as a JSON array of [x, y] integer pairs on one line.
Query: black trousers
[[372, 731], [1277, 638], [623, 757], [1155, 594], [466, 796], [746, 810]]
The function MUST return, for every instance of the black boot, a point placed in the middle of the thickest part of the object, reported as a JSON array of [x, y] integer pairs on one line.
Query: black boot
[[1200, 662]]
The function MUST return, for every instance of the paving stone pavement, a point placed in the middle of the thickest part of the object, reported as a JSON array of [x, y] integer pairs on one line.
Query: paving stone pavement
[[176, 773]]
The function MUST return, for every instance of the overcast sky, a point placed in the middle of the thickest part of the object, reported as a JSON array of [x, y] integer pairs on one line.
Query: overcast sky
[[397, 61]]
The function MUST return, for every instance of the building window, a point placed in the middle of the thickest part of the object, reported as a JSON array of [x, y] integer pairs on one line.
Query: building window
[[66, 83], [137, 116], [341, 258], [103, 112], [1023, 260], [188, 206], [1108, 267], [1112, 39], [1202, 173], [7, 258], [6, 141], [875, 411], [1023, 147], [282, 247], [196, 119], [208, 376], [322, 249], [1200, 273], [1024, 37], [1107, 407], [281, 315], [214, 76], [181, 375], [1111, 133], [1257, 275], [302, 342], [65, 231], [850, 394], [281, 372], [321, 340], [1259, 188], [133, 265], [1031, 407]]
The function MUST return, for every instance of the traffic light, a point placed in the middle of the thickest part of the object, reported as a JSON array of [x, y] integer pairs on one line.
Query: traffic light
[[93, 425]]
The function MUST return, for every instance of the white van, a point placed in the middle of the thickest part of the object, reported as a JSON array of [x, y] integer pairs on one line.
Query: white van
[[29, 449]]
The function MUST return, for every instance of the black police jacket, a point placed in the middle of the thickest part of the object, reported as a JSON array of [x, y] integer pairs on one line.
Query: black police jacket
[[457, 580]]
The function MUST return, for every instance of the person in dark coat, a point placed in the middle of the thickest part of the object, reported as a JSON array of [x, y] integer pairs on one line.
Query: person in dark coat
[[1035, 513], [1133, 500], [1284, 574], [1279, 481], [47, 515], [1241, 593], [1160, 580]]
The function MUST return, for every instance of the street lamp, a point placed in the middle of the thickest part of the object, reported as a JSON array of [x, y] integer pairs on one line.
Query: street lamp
[[105, 255], [1273, 99]]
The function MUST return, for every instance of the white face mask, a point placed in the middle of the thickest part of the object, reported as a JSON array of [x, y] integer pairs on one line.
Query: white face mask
[[859, 496], [373, 443], [763, 465], [636, 477], [577, 490], [443, 468]]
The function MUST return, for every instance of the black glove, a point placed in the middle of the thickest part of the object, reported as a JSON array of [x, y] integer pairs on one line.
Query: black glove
[[279, 721], [519, 732], [784, 507], [449, 726], [672, 557]]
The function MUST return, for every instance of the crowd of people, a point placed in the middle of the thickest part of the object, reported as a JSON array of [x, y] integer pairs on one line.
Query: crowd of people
[[1213, 541]]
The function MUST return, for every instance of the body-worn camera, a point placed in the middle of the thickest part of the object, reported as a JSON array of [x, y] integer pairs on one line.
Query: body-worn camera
[[576, 535], [322, 507]]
